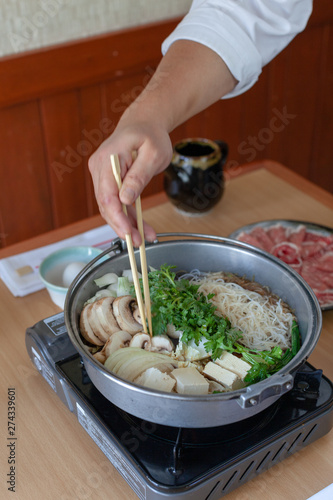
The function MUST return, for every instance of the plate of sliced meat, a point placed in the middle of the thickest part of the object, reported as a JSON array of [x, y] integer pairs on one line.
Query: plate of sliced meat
[[305, 246]]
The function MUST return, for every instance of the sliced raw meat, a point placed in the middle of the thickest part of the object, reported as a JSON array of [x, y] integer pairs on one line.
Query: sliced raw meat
[[298, 266], [288, 253], [309, 253], [298, 235], [324, 262], [328, 280], [263, 238], [310, 248], [313, 280], [251, 240], [325, 298], [277, 233], [321, 276], [312, 276], [310, 236]]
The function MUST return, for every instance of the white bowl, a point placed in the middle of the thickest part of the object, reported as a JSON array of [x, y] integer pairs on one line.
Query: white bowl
[[59, 269]]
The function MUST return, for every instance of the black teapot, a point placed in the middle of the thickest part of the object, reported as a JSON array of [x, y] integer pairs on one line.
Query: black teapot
[[194, 179]]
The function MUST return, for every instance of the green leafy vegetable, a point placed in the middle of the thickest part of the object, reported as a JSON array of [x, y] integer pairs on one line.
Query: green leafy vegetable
[[179, 303], [265, 363], [295, 339], [124, 286]]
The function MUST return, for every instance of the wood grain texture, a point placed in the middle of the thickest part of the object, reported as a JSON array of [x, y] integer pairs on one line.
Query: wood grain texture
[[24, 202], [295, 106], [65, 151], [322, 151], [56, 459], [93, 131], [57, 104]]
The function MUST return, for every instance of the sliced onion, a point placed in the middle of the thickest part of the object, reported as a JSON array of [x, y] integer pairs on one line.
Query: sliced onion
[[130, 362]]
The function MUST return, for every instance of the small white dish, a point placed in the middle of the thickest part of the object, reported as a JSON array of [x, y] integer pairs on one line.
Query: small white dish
[[59, 269]]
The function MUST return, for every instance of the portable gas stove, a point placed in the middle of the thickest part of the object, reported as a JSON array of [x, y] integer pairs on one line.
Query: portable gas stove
[[179, 463]]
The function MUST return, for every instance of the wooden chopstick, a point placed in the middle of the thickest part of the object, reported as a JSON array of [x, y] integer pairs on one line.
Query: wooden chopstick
[[143, 260], [117, 175]]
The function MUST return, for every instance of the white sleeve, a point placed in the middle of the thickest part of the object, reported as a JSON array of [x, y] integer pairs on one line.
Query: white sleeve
[[247, 34]]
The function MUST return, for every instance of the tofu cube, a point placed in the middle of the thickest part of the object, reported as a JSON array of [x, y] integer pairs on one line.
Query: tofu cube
[[225, 377], [190, 381], [234, 364], [155, 379]]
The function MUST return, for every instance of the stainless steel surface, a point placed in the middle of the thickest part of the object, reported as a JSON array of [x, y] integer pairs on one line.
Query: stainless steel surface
[[207, 253]]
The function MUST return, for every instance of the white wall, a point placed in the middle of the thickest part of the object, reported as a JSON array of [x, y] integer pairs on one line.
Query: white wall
[[32, 24]]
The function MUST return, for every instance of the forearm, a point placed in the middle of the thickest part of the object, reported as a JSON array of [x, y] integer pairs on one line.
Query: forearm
[[246, 35], [189, 78]]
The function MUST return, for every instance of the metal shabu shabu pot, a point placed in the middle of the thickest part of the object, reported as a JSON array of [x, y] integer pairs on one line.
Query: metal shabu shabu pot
[[208, 254]]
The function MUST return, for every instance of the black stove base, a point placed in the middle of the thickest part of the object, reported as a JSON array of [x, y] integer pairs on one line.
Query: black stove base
[[161, 462]]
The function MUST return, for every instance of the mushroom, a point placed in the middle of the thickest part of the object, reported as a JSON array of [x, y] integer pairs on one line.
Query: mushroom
[[86, 330], [137, 315], [95, 323], [116, 341], [161, 343], [104, 312], [140, 340], [100, 356], [123, 308], [172, 332]]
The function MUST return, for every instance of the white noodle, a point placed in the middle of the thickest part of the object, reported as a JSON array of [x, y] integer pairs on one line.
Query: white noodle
[[264, 324]]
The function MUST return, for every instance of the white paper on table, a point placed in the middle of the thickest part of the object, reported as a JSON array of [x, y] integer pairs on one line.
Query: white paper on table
[[325, 494], [20, 286]]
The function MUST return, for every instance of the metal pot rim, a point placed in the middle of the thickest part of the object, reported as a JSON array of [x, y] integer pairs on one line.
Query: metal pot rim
[[277, 384]]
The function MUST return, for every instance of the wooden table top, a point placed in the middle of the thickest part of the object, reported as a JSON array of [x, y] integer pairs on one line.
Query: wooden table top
[[55, 458]]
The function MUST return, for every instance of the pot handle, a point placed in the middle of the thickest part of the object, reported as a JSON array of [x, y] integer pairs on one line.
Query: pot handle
[[256, 394], [191, 235]]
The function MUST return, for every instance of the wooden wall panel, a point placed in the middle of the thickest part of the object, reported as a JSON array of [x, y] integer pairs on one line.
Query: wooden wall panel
[[24, 201], [278, 76], [222, 121], [76, 64], [65, 150], [321, 170], [93, 130], [297, 101], [254, 125]]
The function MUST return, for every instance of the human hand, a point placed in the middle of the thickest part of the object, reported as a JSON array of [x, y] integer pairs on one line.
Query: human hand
[[152, 145]]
